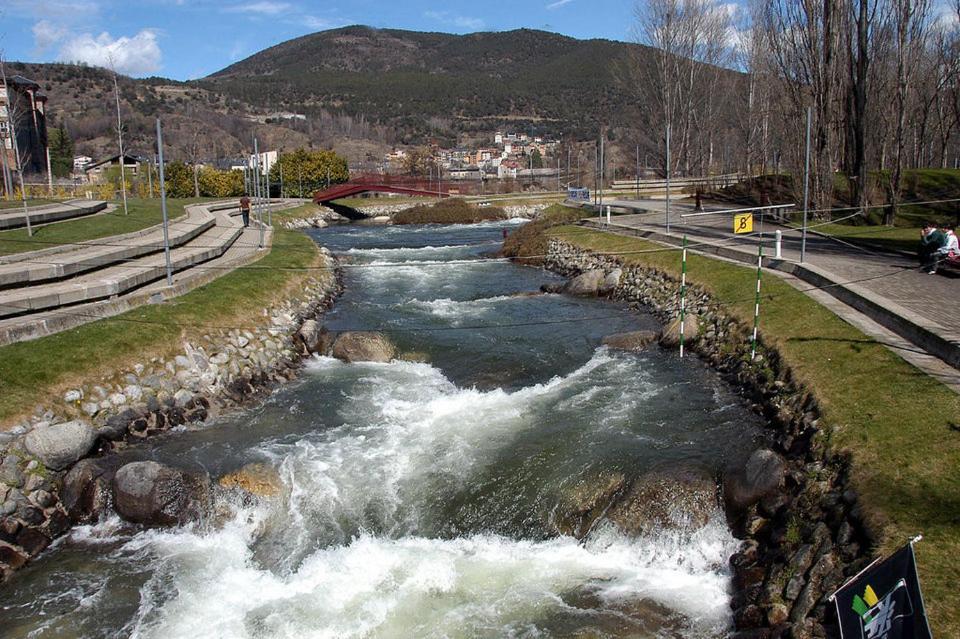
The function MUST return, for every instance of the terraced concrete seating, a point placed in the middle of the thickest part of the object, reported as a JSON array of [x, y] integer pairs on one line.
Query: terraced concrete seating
[[90, 256], [106, 271], [47, 213]]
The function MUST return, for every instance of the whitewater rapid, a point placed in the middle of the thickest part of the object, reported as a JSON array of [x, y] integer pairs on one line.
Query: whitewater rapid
[[419, 499]]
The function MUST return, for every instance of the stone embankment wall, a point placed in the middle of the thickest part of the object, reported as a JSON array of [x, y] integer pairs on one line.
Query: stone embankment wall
[[220, 371], [800, 541]]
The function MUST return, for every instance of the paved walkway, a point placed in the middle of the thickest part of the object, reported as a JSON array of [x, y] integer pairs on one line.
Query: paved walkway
[[888, 288]]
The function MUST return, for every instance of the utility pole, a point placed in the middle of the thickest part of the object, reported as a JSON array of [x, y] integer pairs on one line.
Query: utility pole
[[602, 168], [150, 176], [280, 162], [638, 171], [163, 206], [257, 172], [123, 176], [300, 178]]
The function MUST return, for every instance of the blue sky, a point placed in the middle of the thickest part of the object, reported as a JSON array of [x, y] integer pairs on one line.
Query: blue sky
[[186, 39]]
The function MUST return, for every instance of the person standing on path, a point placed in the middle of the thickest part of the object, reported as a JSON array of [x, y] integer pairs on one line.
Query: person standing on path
[[245, 210]]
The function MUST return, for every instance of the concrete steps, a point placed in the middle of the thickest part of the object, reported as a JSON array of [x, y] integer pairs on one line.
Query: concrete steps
[[105, 272], [88, 257], [47, 213]]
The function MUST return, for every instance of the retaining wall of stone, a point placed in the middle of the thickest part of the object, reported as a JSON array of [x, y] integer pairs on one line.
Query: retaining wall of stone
[[221, 371], [804, 540]]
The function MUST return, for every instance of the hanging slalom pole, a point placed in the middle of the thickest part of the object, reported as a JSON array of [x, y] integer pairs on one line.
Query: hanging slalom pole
[[683, 293], [163, 206], [756, 311]]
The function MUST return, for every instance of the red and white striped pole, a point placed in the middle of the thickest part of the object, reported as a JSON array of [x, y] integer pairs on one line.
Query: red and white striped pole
[[683, 293]]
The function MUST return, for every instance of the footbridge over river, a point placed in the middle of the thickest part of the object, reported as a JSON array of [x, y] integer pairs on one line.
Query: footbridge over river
[[375, 183]]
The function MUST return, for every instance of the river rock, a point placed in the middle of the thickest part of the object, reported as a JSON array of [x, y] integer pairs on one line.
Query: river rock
[[670, 338], [86, 493], [610, 282], [581, 504], [586, 284], [261, 480], [60, 445], [363, 347], [762, 475], [632, 341], [156, 495], [682, 499], [316, 338]]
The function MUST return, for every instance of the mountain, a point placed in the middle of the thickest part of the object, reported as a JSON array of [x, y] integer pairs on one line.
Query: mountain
[[436, 84]]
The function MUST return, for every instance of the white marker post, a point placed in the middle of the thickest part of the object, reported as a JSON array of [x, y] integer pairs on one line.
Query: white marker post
[[683, 292], [756, 312], [608, 215], [779, 253]]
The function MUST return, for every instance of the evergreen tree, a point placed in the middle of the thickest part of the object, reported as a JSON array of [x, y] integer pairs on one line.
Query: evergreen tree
[[61, 152]]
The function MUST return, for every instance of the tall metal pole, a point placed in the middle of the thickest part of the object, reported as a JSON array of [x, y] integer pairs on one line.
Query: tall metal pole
[[163, 206], [668, 178], [300, 179], [602, 168], [257, 176], [123, 175], [806, 193], [756, 311], [683, 292], [638, 171], [280, 163], [150, 177]]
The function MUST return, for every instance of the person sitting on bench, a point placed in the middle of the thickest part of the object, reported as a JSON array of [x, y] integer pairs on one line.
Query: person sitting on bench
[[932, 240], [950, 250]]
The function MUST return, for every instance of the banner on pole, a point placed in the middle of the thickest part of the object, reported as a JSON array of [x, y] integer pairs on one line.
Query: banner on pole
[[884, 601], [743, 223]]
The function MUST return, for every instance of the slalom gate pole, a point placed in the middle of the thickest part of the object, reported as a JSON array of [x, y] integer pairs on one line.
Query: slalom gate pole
[[683, 292], [756, 311]]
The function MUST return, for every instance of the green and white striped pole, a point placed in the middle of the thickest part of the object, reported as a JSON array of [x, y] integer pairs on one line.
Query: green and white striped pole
[[683, 292], [756, 311]]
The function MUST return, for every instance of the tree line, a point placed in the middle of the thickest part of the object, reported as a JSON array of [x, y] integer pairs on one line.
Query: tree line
[[879, 79]]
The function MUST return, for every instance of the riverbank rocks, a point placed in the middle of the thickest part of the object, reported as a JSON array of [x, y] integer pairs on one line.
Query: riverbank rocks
[[152, 494], [670, 338], [586, 284], [59, 445], [632, 341], [682, 499], [762, 476], [261, 480], [363, 347]]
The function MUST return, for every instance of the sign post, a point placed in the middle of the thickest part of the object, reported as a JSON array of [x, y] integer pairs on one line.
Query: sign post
[[884, 601]]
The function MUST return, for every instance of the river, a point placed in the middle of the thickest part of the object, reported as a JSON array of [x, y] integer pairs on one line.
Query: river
[[420, 496]]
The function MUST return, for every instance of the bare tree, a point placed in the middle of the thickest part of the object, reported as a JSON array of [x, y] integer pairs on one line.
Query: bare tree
[[910, 21]]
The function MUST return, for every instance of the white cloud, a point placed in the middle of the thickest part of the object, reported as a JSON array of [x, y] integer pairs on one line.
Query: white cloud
[[46, 34], [461, 22], [558, 4], [263, 7], [315, 23], [137, 55]]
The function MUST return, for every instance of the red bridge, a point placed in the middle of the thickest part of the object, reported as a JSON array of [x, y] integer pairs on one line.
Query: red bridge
[[381, 184]]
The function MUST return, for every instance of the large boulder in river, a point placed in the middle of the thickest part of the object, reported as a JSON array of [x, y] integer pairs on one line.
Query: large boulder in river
[[315, 338], [632, 341], [683, 499], [587, 284], [581, 504], [261, 480], [364, 347], [60, 445], [156, 495], [670, 338], [762, 475], [610, 282], [86, 492]]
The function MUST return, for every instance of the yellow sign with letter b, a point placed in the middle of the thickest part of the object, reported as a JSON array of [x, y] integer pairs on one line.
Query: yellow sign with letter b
[[743, 223]]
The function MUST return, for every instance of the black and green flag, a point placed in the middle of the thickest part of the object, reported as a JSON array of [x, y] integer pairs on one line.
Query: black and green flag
[[884, 601]]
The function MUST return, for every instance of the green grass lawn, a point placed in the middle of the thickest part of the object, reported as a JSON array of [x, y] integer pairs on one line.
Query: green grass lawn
[[32, 371], [142, 214], [899, 424], [897, 238]]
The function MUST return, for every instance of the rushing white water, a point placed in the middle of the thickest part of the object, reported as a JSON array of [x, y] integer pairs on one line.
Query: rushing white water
[[419, 499]]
